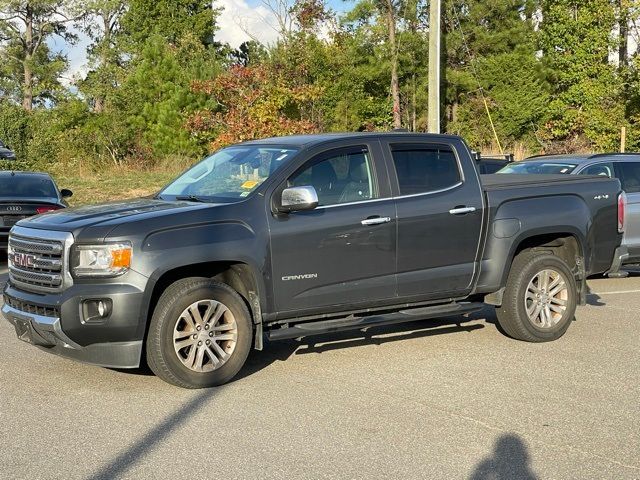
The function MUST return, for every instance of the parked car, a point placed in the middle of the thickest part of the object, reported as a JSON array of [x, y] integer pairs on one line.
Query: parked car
[[6, 153], [23, 194], [623, 166], [296, 236]]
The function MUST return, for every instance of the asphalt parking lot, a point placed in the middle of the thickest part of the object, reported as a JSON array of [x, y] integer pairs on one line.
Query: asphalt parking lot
[[451, 398]]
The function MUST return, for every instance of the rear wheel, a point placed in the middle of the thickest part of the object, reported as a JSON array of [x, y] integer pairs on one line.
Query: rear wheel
[[200, 334], [539, 301]]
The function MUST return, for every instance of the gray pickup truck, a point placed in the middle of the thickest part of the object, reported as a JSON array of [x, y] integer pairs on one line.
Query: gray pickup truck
[[297, 236]]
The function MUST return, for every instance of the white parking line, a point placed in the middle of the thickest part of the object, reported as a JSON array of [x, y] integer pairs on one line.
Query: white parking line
[[616, 292]]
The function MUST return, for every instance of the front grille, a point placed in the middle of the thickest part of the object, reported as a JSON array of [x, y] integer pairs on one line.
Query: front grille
[[36, 264], [45, 311]]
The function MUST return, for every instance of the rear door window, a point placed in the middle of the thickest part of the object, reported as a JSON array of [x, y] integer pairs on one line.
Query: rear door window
[[425, 168], [629, 173]]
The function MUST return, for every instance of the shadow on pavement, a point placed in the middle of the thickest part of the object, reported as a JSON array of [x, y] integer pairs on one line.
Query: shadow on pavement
[[283, 349], [132, 455], [595, 300], [274, 351], [509, 460]]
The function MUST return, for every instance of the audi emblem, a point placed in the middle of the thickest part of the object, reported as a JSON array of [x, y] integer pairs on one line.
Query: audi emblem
[[23, 260], [14, 208]]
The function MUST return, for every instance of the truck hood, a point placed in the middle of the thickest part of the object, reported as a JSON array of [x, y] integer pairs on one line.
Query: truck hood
[[102, 218]]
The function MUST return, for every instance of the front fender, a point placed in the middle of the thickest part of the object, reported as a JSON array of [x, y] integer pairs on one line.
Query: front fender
[[197, 248]]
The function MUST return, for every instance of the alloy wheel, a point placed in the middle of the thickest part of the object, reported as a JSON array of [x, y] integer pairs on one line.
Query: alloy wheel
[[205, 335]]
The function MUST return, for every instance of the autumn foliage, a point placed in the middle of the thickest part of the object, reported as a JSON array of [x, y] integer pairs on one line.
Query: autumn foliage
[[253, 102]]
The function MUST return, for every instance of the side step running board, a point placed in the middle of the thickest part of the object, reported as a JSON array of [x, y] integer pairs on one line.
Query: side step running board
[[355, 323]]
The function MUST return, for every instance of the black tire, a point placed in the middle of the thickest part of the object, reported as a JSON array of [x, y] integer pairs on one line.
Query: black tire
[[512, 315], [161, 356]]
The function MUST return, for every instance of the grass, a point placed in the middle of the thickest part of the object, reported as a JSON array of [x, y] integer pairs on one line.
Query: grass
[[113, 184]]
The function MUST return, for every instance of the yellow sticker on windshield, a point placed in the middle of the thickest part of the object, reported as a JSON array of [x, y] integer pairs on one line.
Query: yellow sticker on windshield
[[249, 184]]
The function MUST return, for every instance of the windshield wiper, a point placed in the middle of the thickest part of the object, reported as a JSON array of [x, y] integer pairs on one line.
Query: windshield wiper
[[191, 198]]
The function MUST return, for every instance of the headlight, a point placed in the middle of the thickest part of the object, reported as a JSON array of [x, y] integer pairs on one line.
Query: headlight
[[108, 260]]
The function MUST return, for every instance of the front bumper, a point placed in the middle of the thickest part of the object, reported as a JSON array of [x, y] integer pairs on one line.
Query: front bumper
[[47, 334], [56, 322]]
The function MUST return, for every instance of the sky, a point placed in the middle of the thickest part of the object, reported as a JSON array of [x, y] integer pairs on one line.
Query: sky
[[239, 21]]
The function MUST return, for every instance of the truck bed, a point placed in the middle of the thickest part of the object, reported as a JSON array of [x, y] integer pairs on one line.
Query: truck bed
[[567, 201]]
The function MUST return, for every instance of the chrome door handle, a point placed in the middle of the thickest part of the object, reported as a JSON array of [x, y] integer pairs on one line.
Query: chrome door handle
[[462, 210], [375, 221]]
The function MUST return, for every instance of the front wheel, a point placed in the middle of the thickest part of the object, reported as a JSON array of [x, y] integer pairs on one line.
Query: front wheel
[[200, 334], [539, 300]]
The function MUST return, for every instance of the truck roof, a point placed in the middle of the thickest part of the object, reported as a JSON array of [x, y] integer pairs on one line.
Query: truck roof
[[315, 139]]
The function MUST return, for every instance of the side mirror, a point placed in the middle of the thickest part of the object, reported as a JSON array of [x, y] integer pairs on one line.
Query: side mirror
[[298, 198], [66, 193]]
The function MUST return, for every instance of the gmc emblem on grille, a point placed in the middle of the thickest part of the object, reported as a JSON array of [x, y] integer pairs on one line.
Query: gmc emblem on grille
[[14, 208], [24, 260]]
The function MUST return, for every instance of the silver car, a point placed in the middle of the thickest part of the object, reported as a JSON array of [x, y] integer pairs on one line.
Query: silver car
[[623, 166]]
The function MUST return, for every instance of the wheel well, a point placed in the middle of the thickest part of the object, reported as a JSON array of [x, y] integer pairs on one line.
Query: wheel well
[[563, 245], [238, 276]]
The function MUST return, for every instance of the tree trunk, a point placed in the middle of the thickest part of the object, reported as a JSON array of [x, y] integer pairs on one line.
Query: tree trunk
[[395, 84], [105, 59], [27, 87], [623, 46]]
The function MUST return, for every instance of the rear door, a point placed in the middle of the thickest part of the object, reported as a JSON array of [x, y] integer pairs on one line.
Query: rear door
[[439, 204], [343, 252], [629, 174]]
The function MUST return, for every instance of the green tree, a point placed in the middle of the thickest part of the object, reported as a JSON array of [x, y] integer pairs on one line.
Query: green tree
[[587, 109], [156, 96], [102, 25], [25, 25], [490, 56], [168, 19]]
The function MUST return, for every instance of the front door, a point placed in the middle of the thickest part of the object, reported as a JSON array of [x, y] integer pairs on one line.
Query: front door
[[343, 252]]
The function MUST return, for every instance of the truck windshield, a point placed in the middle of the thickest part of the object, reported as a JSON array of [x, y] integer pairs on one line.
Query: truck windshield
[[228, 175], [538, 167]]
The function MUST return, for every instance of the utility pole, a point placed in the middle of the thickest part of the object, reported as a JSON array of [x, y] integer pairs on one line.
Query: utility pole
[[434, 67]]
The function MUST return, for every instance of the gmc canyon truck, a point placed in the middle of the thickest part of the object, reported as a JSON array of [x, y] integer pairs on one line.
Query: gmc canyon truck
[[296, 236]]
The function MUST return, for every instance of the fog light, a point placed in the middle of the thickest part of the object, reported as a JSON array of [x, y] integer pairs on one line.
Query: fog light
[[96, 311]]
